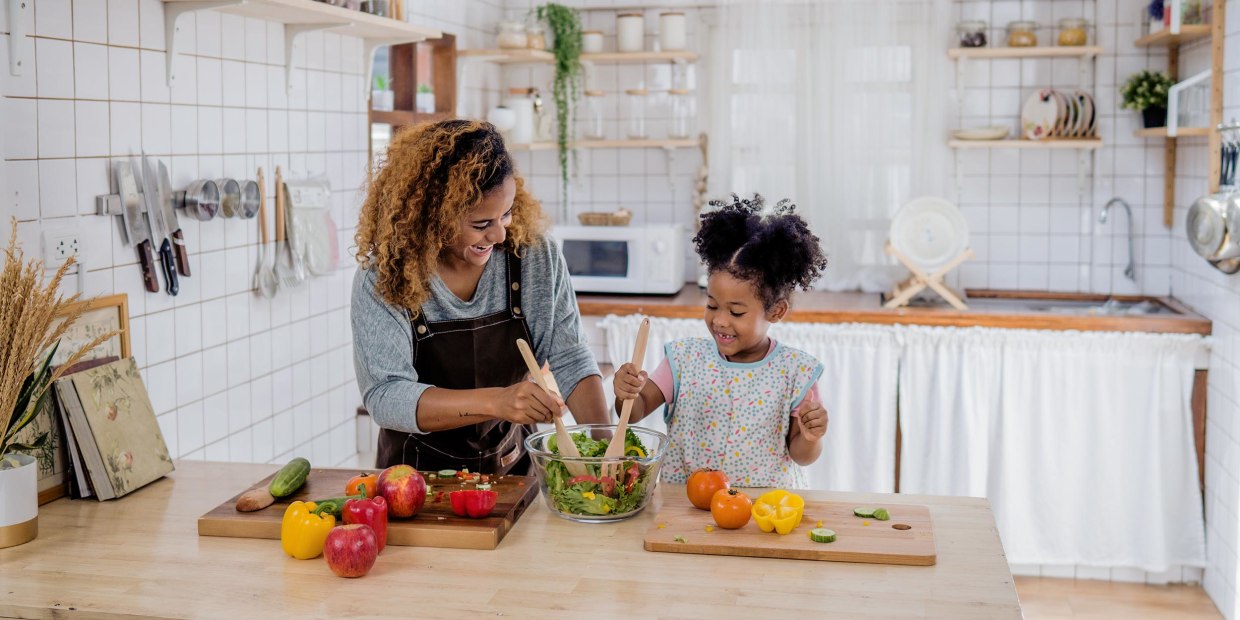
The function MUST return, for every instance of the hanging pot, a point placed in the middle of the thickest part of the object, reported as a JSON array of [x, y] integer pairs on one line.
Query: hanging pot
[[1206, 225], [1154, 116], [19, 501]]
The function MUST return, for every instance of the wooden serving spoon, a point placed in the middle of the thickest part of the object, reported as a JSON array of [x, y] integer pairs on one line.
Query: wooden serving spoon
[[563, 440], [615, 449]]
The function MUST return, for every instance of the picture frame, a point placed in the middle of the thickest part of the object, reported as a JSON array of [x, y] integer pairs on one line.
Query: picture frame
[[99, 316]]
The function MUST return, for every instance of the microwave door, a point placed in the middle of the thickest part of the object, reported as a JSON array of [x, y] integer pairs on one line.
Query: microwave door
[[602, 265]]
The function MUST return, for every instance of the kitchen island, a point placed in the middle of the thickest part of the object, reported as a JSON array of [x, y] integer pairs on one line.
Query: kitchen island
[[141, 557]]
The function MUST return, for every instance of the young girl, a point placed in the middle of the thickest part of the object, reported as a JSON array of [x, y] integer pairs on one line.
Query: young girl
[[741, 402]]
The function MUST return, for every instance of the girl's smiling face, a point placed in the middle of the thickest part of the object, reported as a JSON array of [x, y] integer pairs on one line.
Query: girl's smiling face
[[736, 318], [485, 227]]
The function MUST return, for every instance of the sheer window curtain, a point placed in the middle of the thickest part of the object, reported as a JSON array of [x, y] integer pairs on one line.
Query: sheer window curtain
[[838, 105]]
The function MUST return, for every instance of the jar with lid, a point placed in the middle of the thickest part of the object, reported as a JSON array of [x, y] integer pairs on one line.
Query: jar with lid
[[681, 103], [1022, 33], [635, 112], [593, 125], [511, 35], [592, 41], [1073, 32], [672, 36], [535, 37], [522, 106], [972, 33], [630, 32]]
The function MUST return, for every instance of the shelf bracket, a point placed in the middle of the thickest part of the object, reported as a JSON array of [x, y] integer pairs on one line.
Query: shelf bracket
[[291, 33], [174, 10], [370, 46], [20, 46]]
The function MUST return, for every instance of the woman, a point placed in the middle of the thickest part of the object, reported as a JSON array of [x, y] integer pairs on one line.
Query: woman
[[453, 270]]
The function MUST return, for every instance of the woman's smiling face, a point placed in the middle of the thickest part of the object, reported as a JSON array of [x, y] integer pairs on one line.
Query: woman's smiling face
[[485, 227]]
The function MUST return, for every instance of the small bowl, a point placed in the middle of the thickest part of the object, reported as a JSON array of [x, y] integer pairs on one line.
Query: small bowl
[[553, 475]]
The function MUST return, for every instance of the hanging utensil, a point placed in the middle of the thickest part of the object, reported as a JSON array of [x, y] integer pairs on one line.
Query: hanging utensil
[[615, 449], [135, 224], [563, 441], [159, 228], [265, 281], [174, 224], [284, 270]]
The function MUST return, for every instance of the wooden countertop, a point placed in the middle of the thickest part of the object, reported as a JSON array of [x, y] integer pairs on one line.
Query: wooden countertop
[[140, 556], [825, 307]]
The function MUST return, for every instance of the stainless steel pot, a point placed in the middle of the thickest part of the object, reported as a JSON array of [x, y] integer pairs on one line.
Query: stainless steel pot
[[1206, 225]]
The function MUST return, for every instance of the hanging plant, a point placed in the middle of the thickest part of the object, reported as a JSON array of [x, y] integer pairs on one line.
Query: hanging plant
[[565, 26]]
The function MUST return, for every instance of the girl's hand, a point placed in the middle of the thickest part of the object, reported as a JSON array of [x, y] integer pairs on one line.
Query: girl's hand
[[812, 418], [628, 383], [526, 403]]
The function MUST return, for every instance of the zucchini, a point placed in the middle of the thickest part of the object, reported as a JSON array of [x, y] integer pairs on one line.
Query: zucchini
[[822, 535], [881, 514], [290, 478], [863, 512]]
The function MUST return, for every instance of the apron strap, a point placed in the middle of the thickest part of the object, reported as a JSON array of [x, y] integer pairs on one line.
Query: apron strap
[[514, 285]]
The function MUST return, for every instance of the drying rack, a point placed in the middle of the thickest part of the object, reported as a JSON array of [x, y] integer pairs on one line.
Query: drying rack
[[904, 290]]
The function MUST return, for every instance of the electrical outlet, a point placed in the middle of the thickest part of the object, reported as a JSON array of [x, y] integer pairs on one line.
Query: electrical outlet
[[58, 246]]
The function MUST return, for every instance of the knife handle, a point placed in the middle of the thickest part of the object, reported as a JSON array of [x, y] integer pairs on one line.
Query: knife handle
[[148, 266], [170, 268], [178, 246]]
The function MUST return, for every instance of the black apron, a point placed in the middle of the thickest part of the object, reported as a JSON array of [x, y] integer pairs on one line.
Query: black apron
[[466, 354]]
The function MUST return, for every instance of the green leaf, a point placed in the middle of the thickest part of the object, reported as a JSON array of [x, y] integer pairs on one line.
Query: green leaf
[[35, 445], [565, 26]]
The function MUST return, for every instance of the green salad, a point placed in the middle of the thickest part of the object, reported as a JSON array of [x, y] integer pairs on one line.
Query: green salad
[[592, 494]]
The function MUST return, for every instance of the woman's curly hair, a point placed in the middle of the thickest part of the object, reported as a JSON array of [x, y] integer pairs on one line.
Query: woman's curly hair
[[434, 175], [774, 250]]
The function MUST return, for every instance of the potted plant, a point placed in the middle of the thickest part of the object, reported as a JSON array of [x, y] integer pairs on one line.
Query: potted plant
[[424, 101], [381, 98], [28, 342], [565, 26], [1147, 91]]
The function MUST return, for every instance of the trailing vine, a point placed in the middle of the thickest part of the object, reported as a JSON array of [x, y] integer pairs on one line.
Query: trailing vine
[[565, 26]]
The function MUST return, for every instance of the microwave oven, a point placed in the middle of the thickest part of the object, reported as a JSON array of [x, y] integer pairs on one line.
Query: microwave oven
[[624, 259]]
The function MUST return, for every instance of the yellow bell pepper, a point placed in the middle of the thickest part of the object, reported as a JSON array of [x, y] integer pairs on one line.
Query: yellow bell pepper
[[303, 532], [778, 511]]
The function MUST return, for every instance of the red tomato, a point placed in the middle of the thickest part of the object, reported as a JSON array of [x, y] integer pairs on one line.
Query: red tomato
[[702, 486], [730, 508]]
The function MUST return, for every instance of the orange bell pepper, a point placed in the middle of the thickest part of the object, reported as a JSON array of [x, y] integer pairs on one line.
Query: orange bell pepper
[[778, 511]]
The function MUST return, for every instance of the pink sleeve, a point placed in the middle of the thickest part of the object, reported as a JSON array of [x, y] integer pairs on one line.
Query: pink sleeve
[[813, 394], [662, 378]]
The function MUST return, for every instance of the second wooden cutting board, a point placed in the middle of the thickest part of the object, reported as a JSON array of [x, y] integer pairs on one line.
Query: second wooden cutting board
[[857, 540]]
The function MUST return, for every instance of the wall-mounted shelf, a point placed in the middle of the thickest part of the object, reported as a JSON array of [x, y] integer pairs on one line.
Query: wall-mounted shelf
[[300, 17], [1083, 144], [611, 144], [1024, 52], [1165, 38], [1182, 132], [507, 57], [522, 56]]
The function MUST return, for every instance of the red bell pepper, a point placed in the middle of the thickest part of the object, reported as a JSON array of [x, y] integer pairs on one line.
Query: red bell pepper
[[607, 484], [631, 474], [473, 503], [372, 512]]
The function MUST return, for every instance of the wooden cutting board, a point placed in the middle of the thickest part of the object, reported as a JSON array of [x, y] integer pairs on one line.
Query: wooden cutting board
[[433, 526], [857, 540]]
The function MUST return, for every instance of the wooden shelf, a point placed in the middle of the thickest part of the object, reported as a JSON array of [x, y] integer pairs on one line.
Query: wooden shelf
[[1083, 143], [520, 56], [1181, 132], [1164, 38], [1025, 52], [352, 23], [611, 144]]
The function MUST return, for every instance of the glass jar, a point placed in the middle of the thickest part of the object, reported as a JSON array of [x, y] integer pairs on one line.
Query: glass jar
[[635, 111], [535, 37], [1073, 32], [511, 35], [1022, 34], [972, 33], [672, 37], [592, 41], [592, 125], [681, 103], [630, 33]]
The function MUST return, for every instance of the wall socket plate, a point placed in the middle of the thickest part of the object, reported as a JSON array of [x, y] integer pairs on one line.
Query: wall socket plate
[[59, 245]]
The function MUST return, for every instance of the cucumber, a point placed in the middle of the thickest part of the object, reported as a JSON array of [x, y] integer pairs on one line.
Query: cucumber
[[446, 473], [290, 477], [863, 512], [822, 535], [881, 514]]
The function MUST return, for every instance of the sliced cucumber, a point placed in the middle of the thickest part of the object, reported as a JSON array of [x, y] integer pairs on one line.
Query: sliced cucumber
[[822, 535], [484, 486], [881, 514], [864, 512], [447, 472]]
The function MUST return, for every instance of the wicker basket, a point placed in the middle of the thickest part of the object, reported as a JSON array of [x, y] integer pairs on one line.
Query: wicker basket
[[621, 217]]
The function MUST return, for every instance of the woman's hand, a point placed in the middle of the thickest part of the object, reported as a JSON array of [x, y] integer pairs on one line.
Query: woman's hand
[[526, 403], [812, 418], [628, 382]]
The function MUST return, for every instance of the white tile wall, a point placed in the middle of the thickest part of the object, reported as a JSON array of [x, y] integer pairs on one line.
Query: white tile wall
[[231, 376]]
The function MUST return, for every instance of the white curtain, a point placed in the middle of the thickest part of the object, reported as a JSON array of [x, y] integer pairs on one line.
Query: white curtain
[[1082, 442], [858, 389], [838, 105]]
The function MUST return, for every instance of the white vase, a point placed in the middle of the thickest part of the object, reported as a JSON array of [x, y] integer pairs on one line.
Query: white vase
[[19, 501], [382, 100], [425, 103]]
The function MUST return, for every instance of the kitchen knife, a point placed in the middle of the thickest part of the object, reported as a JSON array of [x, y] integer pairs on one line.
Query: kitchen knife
[[135, 225], [174, 225], [155, 211]]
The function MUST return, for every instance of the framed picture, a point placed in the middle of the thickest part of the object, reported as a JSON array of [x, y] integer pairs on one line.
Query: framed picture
[[101, 315]]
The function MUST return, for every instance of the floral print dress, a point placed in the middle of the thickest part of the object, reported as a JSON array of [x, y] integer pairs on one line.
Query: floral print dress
[[735, 416]]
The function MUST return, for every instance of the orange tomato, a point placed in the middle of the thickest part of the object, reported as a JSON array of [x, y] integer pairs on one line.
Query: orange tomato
[[730, 508], [369, 481], [702, 486]]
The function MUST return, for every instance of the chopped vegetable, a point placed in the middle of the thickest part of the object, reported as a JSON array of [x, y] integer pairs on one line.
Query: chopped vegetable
[[662, 525], [881, 514], [710, 528], [447, 473], [594, 493], [822, 535], [863, 512], [679, 539], [778, 511], [819, 524], [484, 487]]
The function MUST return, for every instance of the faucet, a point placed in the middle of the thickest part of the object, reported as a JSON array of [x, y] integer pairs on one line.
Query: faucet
[[1130, 271]]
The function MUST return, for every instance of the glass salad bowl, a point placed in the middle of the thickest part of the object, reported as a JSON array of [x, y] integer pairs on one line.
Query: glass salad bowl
[[576, 488]]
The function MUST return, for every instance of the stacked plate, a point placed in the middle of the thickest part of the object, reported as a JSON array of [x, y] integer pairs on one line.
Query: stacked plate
[[930, 232], [1051, 113]]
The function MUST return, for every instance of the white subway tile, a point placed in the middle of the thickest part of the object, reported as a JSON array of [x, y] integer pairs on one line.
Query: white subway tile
[[53, 18], [185, 85], [90, 71], [123, 22], [124, 74], [208, 28], [184, 140], [215, 413], [157, 128], [239, 408], [234, 85], [54, 61], [57, 187], [151, 25], [20, 127], [56, 128], [190, 425]]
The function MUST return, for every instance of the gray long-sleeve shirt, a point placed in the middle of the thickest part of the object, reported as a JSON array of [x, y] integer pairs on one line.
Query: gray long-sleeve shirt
[[383, 335]]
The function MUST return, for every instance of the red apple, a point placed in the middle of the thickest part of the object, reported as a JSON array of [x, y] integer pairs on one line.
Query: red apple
[[404, 489], [351, 550]]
